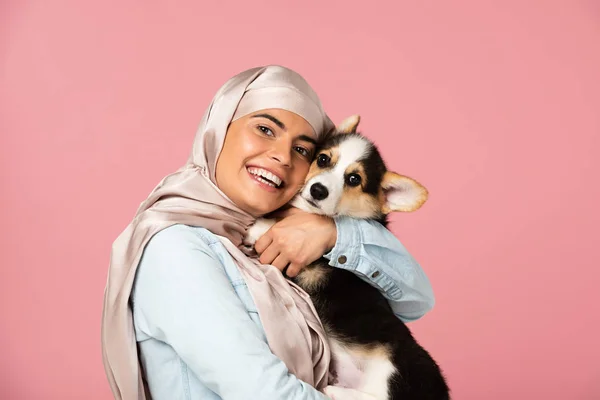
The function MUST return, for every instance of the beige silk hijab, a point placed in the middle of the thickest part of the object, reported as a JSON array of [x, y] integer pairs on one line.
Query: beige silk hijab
[[190, 196]]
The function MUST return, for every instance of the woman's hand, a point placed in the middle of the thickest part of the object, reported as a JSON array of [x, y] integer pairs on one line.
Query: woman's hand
[[298, 239]]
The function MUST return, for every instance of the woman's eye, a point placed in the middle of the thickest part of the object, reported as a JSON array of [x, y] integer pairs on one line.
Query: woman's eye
[[353, 180], [323, 160], [303, 151], [265, 130]]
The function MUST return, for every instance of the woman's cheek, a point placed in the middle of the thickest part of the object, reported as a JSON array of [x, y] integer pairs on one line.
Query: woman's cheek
[[251, 144]]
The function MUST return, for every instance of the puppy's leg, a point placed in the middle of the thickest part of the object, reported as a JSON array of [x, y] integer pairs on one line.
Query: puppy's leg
[[340, 393], [260, 227]]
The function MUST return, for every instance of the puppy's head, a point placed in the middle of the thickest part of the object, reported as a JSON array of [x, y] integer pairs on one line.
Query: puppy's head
[[348, 177]]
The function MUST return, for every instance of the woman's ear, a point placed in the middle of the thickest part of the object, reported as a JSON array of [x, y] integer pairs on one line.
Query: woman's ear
[[401, 193], [349, 125]]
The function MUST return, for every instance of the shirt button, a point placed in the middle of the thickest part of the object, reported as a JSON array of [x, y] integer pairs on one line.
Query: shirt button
[[342, 259], [375, 274]]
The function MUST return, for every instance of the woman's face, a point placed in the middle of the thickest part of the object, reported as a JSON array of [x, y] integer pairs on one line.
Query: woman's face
[[265, 159]]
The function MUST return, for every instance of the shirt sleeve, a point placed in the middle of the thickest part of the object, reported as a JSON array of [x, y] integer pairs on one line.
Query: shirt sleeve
[[184, 298], [375, 255]]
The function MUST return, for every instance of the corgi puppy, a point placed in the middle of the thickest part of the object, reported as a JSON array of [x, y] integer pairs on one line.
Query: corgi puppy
[[374, 355]]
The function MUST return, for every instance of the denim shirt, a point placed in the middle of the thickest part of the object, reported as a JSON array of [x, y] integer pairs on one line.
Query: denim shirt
[[198, 331]]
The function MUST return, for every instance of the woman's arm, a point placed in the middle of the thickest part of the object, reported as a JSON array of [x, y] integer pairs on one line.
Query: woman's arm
[[364, 247], [183, 297], [371, 251]]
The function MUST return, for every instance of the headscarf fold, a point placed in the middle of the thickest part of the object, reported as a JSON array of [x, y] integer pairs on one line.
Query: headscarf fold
[[190, 196]]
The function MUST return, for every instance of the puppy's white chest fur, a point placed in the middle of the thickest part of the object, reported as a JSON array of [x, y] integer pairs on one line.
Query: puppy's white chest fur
[[360, 373]]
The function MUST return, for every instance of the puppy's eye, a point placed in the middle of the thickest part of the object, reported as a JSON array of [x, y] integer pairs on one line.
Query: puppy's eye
[[323, 160], [353, 180]]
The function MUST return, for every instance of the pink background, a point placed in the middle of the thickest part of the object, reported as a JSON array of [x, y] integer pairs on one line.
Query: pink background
[[494, 106]]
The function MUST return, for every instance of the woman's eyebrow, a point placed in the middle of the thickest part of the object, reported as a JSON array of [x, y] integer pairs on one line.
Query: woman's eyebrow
[[280, 124], [271, 118], [308, 139]]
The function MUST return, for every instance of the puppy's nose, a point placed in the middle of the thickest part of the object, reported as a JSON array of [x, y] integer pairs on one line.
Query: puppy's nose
[[318, 191]]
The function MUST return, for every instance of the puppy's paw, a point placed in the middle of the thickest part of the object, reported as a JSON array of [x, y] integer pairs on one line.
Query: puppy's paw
[[260, 227]]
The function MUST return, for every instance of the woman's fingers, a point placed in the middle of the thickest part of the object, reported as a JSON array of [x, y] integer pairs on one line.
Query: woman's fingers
[[293, 270], [273, 255], [263, 243], [269, 255], [270, 252], [280, 262]]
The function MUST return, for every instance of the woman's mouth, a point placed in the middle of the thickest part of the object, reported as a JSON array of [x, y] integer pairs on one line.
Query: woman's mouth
[[267, 179]]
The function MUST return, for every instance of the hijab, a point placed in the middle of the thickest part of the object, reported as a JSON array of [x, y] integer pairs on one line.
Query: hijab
[[190, 196]]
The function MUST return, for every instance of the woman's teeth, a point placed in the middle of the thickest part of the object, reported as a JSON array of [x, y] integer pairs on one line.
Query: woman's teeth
[[263, 180], [265, 177]]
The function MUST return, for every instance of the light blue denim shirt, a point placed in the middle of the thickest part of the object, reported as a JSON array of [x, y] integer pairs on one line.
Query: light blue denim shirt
[[198, 332]]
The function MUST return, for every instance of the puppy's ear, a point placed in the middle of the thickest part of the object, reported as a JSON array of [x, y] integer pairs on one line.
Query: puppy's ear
[[401, 193], [349, 125]]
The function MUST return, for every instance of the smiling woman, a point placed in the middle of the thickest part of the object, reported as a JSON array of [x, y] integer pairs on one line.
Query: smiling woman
[[187, 313], [265, 159]]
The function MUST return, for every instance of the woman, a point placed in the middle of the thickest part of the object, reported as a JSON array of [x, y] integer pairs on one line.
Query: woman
[[204, 320]]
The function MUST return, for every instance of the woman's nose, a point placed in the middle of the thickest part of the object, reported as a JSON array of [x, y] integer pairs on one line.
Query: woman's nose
[[282, 152]]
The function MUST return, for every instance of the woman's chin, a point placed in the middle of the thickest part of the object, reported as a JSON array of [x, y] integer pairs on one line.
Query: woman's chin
[[262, 200], [261, 205]]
